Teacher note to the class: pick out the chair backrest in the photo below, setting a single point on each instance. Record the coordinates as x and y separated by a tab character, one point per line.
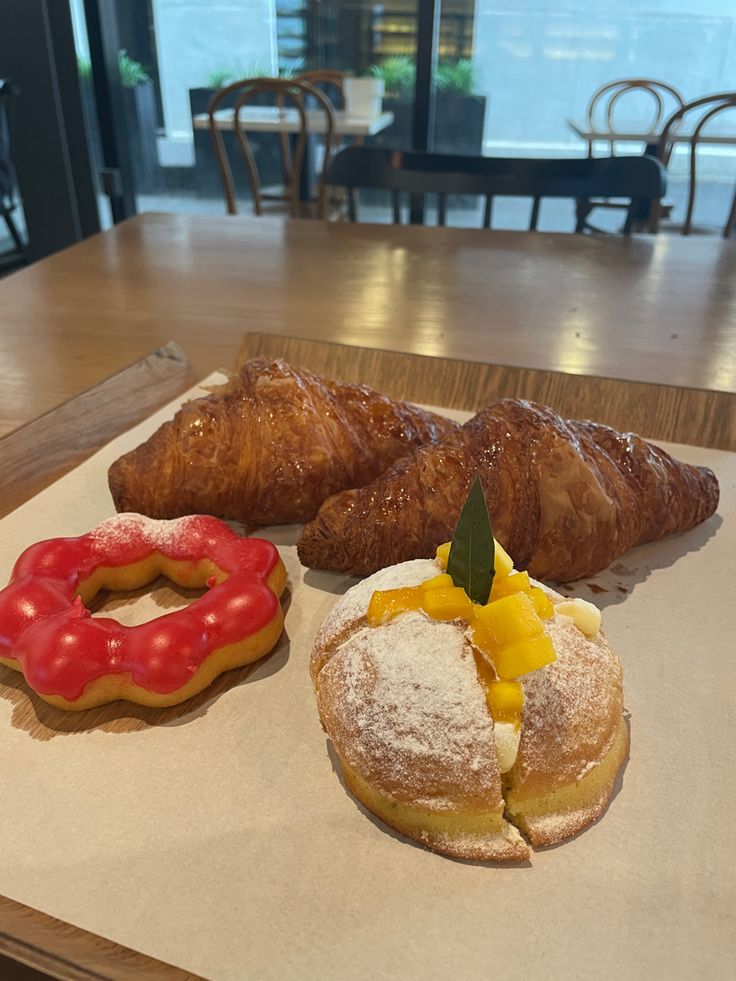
639	179
601	113
286	92
696	114
327	80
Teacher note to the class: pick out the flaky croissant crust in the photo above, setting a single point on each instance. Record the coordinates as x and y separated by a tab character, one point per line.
269	448
566	498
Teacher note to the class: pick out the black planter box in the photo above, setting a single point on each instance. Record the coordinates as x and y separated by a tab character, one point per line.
459	124
266	149
139	103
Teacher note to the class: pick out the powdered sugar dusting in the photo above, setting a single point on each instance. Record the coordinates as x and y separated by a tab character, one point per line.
128	529
572	709
412	713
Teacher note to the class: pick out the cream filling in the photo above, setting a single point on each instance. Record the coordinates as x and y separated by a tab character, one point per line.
507	736
585	616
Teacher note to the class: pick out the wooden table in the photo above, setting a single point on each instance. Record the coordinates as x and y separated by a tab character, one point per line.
654	310
650	309
650	139
268	119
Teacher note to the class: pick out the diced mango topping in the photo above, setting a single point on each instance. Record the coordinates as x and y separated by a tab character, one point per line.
518	583
502	561
505	700
442	554
435	581
523	656
386	604
447	603
542	603
504	621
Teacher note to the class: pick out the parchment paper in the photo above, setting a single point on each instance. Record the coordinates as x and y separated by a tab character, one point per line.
224	842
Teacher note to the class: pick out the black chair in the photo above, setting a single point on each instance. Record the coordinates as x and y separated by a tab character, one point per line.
639	179
8	203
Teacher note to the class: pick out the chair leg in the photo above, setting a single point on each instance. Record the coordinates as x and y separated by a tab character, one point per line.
534	216
14	233
630	216
731	220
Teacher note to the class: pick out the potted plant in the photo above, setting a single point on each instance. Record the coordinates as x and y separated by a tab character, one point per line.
139	106
140	110
89	109
363	96
459	113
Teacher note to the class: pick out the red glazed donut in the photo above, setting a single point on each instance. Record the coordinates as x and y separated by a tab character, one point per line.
76	661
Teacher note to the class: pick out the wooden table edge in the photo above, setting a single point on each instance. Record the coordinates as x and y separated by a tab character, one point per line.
44	943
40	451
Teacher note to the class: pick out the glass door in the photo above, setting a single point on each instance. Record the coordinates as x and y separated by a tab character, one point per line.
511	78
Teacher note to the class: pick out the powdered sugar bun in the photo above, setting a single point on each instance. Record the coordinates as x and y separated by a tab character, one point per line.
407	715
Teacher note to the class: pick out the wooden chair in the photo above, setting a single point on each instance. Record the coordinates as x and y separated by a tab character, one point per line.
602	107
331	82
326	79
639	179
702	110
286	92
601	117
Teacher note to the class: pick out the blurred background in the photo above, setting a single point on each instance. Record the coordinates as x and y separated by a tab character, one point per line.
118	83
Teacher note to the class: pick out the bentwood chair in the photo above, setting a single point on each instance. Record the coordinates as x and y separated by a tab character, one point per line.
602	115
638	179
697	114
331	83
290	96
618	103
327	80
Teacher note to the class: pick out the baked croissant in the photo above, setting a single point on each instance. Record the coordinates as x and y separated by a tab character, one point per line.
269	447
566	498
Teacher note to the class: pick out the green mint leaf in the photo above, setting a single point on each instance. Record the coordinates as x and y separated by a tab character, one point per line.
472	552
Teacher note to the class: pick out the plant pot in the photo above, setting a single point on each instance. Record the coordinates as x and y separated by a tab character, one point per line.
139	103
363	97
459	123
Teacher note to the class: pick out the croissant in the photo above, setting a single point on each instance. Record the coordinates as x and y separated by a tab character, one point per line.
269	447
566	498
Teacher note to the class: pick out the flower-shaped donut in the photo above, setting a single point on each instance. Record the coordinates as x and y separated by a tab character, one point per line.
75	661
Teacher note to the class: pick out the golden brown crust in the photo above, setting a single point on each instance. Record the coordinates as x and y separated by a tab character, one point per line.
269	448
566	498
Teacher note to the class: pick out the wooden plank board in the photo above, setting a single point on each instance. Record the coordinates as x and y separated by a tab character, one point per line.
665	412
38	453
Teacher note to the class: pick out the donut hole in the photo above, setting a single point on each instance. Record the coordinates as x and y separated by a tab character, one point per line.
135	606
138	593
